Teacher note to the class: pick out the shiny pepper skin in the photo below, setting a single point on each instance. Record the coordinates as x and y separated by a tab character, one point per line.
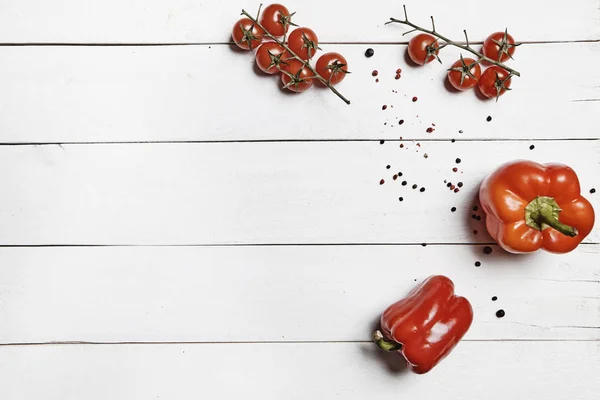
426	325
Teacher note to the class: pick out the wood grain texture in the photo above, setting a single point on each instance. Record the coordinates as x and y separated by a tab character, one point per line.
498	371
260	193
189	21
289	293
212	93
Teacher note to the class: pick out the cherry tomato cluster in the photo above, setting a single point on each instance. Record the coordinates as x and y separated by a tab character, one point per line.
288	55
466	73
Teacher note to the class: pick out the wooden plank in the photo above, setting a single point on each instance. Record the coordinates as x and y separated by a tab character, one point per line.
500	370
259	193
188	21
194	93
297	293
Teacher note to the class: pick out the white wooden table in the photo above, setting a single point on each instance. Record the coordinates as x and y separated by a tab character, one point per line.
173	226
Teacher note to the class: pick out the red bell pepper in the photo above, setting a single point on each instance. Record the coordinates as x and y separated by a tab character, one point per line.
530	206
426	325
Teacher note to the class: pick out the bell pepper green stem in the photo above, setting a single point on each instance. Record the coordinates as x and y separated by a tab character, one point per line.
383	344
543	212
546	218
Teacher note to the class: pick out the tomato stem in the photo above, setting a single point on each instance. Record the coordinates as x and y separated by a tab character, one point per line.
383	344
466	47
305	62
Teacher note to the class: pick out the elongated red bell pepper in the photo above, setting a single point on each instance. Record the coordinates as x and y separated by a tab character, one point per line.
531	206
426	325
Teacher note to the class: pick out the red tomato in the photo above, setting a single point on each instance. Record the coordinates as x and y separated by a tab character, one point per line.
464	73
270	57
333	67
276	19
423	49
499	46
246	34
494	82
296	77
303	42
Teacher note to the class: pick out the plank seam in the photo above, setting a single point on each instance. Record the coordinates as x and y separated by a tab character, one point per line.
261	245
425	140
171	44
308	342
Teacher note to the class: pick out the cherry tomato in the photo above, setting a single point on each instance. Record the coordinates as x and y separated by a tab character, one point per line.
333	67
296	77
499	46
270	57
276	19
303	42
423	49
494	82
246	34
464	74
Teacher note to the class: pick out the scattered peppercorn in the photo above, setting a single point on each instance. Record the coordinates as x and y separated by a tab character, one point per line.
384	107
458	160
452	187
388	166
494	298
460	131
401	145
377	80
369	53
397	76
381	182
453	140
477	264
453	209
429	130
401	198
500	313
475	232
415	99
422	189
454	169
400	122
399	173
456	190
425	155
475	208
531	147
592	190
404	183
487	249
474	216
479	218
449	184
375	72
414	186
381	141
395	176
399	71
489	118
423	244
460	184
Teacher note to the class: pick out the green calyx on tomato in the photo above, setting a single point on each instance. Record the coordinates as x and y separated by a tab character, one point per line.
467	71
500	46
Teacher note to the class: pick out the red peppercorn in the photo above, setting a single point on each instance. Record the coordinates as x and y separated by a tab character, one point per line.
384	107
381	182
454	169
399	71
415	99
375	72
429	130
397	76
